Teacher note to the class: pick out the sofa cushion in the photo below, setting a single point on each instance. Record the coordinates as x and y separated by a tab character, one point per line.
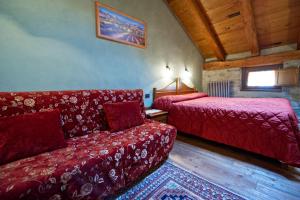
30	134
91	166
81	110
123	115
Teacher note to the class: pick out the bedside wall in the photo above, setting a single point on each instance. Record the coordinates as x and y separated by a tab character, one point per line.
52	45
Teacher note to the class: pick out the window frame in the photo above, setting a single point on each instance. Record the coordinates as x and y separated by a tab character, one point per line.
247	70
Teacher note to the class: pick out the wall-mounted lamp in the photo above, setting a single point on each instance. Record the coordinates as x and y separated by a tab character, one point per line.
186	69
168	68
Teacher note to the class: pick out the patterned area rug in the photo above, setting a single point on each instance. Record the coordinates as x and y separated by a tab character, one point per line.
171	182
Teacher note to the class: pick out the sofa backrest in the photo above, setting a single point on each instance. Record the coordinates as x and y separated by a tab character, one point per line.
81	110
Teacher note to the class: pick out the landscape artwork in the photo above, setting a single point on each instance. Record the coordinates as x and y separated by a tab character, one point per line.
116	26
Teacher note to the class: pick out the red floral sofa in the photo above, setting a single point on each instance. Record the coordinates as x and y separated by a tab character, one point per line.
96	163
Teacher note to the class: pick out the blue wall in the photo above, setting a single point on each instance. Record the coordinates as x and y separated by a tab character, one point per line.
51	45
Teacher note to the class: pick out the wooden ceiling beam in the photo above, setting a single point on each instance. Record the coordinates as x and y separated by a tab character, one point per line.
250	28
272	59
195	21
212	36
220	27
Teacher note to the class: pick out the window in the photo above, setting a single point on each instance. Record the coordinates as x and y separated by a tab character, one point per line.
260	79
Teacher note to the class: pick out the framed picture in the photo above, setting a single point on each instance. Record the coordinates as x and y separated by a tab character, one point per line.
117	26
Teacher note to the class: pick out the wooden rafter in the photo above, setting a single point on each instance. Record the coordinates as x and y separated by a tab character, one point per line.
220	27
211	34
272	59
250	28
195	21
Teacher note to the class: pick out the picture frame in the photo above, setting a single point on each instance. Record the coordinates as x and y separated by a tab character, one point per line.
117	26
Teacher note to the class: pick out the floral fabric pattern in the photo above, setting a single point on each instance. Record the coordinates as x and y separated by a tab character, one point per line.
81	110
96	163
90	167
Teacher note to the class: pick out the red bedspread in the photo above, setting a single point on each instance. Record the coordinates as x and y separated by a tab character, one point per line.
267	126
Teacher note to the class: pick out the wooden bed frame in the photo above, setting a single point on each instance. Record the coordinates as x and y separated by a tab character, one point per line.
176	87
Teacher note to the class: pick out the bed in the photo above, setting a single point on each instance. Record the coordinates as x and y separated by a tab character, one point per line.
267	126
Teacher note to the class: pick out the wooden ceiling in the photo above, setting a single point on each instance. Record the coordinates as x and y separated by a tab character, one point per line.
222	27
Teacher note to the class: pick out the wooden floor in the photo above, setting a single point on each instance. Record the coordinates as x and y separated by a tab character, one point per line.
244	173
